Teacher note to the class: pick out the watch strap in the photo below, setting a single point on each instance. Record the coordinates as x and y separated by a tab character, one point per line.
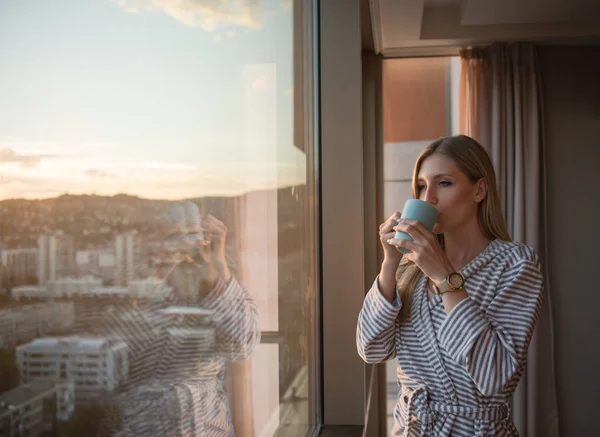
442	287
445	286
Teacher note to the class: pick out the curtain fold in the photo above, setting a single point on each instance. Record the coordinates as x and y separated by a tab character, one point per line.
501	106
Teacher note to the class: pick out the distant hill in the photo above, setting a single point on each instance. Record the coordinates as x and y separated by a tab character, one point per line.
94	220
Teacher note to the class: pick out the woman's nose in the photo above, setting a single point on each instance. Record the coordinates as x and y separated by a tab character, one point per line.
430	196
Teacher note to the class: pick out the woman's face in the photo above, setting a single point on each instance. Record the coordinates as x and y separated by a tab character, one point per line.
443	184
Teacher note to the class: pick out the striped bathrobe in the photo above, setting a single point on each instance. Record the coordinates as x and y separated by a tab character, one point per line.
192	401
457	372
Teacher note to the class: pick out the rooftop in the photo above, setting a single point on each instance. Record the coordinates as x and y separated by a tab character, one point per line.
55	344
187	311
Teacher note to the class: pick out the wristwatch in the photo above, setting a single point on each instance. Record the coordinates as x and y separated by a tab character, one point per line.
454	282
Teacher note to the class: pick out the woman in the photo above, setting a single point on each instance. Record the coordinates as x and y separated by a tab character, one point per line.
178	387
459	310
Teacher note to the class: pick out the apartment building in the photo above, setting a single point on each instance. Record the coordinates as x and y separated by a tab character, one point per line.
20	265
95	365
35	409
56	257
130	257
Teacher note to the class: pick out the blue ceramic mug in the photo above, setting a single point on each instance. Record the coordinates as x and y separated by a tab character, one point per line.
421	211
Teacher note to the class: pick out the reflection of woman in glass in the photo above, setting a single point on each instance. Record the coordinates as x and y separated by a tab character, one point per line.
459	310
181	347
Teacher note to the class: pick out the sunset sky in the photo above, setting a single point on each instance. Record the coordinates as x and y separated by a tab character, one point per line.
156	98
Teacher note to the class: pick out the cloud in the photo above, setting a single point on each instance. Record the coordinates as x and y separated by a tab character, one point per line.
9	156
95	173
204	14
169	166
214	179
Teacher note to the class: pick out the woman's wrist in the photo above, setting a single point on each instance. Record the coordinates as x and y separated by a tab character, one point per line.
390	265
442	273
222	269
387	279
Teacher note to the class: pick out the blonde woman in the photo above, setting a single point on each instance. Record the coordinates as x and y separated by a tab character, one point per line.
457	312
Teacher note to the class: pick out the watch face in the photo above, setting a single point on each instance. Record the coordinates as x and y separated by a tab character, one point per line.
456	281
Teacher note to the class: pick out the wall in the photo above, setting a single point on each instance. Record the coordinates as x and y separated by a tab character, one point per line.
572	120
342	210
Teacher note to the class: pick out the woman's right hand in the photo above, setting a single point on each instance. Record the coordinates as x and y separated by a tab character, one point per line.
386	232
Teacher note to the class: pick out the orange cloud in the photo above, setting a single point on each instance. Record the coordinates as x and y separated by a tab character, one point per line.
10	156
204	14
95	173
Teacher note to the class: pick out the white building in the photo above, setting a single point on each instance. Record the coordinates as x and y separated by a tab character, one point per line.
56	258
149	288
189	336
97	262
110	292
95	365
29	291
19	325
73	287
20	266
130	257
33	409
153	288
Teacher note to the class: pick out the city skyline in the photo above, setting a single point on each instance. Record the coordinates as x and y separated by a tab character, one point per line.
158	99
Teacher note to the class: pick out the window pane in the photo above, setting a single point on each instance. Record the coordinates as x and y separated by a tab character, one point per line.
157	217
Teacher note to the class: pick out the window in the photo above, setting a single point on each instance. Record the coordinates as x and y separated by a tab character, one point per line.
420	104
115	114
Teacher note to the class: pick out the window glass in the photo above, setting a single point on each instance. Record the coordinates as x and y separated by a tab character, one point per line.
156	216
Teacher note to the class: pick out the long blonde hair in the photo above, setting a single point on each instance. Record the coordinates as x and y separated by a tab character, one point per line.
473	161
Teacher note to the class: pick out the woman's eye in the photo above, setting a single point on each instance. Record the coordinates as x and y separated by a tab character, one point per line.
445	183
420	187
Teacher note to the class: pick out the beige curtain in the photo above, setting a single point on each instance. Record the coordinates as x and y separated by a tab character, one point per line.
501	106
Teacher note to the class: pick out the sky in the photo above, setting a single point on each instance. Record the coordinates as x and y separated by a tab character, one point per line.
161	99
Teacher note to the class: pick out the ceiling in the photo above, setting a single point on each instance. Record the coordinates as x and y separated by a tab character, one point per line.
437	27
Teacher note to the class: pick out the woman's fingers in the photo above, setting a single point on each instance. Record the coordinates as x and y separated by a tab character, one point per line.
430	236
389	224
416	230
406	244
214	228
215	223
387	236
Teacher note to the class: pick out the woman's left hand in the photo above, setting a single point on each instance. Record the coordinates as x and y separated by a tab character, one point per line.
215	233
426	251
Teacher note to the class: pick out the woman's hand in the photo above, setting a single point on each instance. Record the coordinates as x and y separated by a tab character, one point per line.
426	251
386	232
215	233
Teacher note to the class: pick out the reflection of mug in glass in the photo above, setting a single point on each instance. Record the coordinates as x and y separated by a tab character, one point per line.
193	222
421	211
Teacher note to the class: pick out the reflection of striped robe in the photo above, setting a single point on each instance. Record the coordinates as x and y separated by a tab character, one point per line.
457	372
173	392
